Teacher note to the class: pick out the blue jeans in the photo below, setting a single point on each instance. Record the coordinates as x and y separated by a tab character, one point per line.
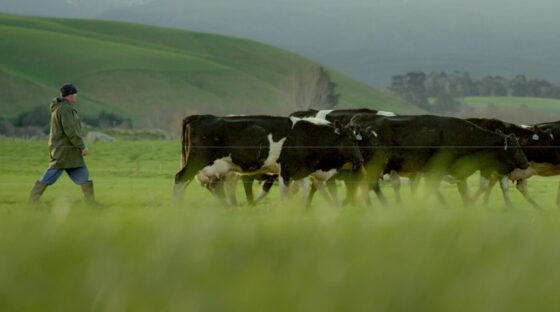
78	175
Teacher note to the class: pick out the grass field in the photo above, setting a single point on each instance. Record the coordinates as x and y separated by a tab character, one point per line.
138	253
135	70
535	104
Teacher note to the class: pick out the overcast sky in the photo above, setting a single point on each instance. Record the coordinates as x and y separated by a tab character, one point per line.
369	40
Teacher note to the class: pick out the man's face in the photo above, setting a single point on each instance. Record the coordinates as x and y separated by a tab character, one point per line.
72	98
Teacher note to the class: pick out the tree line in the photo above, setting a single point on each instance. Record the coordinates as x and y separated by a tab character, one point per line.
445	89
36	122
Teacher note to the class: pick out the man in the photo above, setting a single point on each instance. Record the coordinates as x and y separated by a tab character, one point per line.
66	147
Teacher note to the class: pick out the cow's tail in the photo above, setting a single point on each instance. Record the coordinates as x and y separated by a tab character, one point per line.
185	140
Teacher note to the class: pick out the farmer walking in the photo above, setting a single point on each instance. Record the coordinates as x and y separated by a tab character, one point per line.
66	147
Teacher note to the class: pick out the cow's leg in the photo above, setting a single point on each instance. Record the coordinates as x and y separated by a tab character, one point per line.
463	188
312	191
414	182
248	188
306	190
321	188
504	184
482	187
377	189
432	187
230	185
491	182
396	182
523	187
331	186
184	177
265	188
350	192
283	183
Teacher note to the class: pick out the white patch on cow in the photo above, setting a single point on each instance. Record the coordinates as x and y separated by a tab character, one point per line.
321	175
374	133
216	170
525	126
322	114
273	153
535	137
551	136
384	113
504	182
312	120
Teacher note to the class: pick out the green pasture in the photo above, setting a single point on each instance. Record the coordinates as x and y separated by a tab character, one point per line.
139	253
135	70
534	104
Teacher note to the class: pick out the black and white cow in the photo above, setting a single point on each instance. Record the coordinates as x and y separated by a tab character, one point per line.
319	149
435	147
343	116
536	143
250	145
216	146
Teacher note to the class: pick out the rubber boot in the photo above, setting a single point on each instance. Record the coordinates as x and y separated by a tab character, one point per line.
87	190
36	192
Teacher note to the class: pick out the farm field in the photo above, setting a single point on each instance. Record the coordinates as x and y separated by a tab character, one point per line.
137	70
139	253
535	104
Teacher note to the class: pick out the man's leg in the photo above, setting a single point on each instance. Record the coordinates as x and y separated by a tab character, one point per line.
49	177
80	176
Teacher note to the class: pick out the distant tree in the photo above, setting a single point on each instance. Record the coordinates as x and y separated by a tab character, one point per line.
446	102
39	116
6	128
313	89
112	120
415	89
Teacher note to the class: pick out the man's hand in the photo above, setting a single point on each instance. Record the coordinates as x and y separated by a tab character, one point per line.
85	152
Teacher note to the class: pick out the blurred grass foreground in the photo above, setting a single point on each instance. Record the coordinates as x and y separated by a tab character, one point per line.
138	253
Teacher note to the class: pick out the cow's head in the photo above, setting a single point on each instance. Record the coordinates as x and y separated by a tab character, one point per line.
512	156
349	139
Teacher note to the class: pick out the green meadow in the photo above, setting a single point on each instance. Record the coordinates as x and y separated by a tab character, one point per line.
139	253
534	104
138	70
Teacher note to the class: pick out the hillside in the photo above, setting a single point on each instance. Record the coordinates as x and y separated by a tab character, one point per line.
149	73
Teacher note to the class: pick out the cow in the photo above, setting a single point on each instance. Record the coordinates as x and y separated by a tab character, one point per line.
436	146
251	145
343	116
220	145
319	149
535	143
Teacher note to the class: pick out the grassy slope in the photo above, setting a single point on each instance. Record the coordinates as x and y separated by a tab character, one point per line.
140	254
135	69
536	104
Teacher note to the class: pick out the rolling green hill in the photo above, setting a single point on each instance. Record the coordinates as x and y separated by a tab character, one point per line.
140	71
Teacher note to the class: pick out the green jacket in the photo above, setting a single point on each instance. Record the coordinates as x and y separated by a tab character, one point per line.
65	140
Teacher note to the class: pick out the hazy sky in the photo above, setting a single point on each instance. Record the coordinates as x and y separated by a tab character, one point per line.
369	40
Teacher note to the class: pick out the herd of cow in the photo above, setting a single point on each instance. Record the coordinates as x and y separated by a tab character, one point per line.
309	149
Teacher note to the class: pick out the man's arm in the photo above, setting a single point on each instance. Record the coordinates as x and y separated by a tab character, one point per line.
70	128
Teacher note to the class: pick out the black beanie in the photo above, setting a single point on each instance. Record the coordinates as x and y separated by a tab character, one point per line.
68	89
